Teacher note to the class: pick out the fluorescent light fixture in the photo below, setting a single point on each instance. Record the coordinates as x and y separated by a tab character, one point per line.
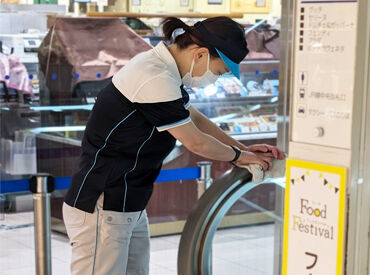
62	108
224	118
257	24
255	107
57	129
274	99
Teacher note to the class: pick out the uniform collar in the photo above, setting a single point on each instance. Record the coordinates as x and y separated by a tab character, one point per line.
163	52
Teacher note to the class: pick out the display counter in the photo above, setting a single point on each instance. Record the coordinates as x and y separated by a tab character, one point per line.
246	112
246	109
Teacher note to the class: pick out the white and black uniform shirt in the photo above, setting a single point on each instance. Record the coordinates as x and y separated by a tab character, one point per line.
125	141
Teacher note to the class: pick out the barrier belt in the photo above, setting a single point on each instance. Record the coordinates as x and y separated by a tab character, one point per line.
62	183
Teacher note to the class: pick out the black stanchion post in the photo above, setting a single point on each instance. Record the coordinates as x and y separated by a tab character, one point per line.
41	185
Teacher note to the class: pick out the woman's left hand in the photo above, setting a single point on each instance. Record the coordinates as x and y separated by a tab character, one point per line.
266	149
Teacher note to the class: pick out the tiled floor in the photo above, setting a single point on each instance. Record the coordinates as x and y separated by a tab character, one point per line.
247	250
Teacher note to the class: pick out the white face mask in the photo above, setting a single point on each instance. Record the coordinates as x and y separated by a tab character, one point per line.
198	81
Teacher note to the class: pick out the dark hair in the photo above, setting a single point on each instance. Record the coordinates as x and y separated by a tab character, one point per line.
221	26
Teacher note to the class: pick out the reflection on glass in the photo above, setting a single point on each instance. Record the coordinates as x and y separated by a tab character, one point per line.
62	107
58	129
246	238
240	106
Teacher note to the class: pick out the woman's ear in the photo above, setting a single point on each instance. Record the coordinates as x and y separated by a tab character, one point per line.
200	53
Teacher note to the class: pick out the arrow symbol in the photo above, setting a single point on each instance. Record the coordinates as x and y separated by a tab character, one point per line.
336	190
325	182
292	181
302	177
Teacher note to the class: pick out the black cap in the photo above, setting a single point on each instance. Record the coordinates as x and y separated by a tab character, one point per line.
235	51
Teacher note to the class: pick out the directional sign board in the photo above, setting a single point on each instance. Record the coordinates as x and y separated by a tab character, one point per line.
324	70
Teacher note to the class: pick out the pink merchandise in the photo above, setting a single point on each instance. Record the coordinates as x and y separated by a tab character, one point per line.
14	73
4	67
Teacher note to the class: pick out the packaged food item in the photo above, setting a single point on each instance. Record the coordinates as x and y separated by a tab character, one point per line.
237	129
272	126
225	127
269	118
263	127
255	129
221	111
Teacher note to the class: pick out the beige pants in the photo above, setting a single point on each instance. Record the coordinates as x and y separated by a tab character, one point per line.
107	242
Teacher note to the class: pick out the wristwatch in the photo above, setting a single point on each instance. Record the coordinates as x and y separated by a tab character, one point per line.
237	153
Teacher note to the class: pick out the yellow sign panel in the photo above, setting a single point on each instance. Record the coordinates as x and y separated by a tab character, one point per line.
250	6
313	218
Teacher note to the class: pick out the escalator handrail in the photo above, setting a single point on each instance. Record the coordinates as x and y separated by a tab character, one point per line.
202	223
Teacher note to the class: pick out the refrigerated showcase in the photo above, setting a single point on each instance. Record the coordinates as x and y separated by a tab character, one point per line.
248	117
242	107
246	109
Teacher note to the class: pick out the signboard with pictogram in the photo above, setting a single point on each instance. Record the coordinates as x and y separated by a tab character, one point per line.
313	219
324	69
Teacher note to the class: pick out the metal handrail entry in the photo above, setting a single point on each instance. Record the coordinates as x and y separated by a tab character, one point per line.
195	249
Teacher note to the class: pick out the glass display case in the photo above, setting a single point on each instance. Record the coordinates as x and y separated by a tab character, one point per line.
242	107
246	109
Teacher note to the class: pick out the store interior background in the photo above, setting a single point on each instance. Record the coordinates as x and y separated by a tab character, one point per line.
249	8
24	121
47	93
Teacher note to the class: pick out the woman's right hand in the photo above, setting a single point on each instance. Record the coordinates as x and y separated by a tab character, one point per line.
207	146
247	158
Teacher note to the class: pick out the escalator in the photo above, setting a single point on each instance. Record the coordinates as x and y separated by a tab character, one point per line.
235	228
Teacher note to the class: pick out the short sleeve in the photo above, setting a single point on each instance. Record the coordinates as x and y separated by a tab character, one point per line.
165	115
162	101
160	88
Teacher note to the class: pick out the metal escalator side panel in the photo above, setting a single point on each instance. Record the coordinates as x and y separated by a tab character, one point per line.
198	221
195	249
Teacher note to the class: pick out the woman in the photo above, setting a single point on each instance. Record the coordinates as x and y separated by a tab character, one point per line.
132	128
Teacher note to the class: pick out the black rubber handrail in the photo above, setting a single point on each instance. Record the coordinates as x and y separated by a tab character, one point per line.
194	256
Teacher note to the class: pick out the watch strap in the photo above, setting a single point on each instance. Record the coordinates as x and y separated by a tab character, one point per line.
237	153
